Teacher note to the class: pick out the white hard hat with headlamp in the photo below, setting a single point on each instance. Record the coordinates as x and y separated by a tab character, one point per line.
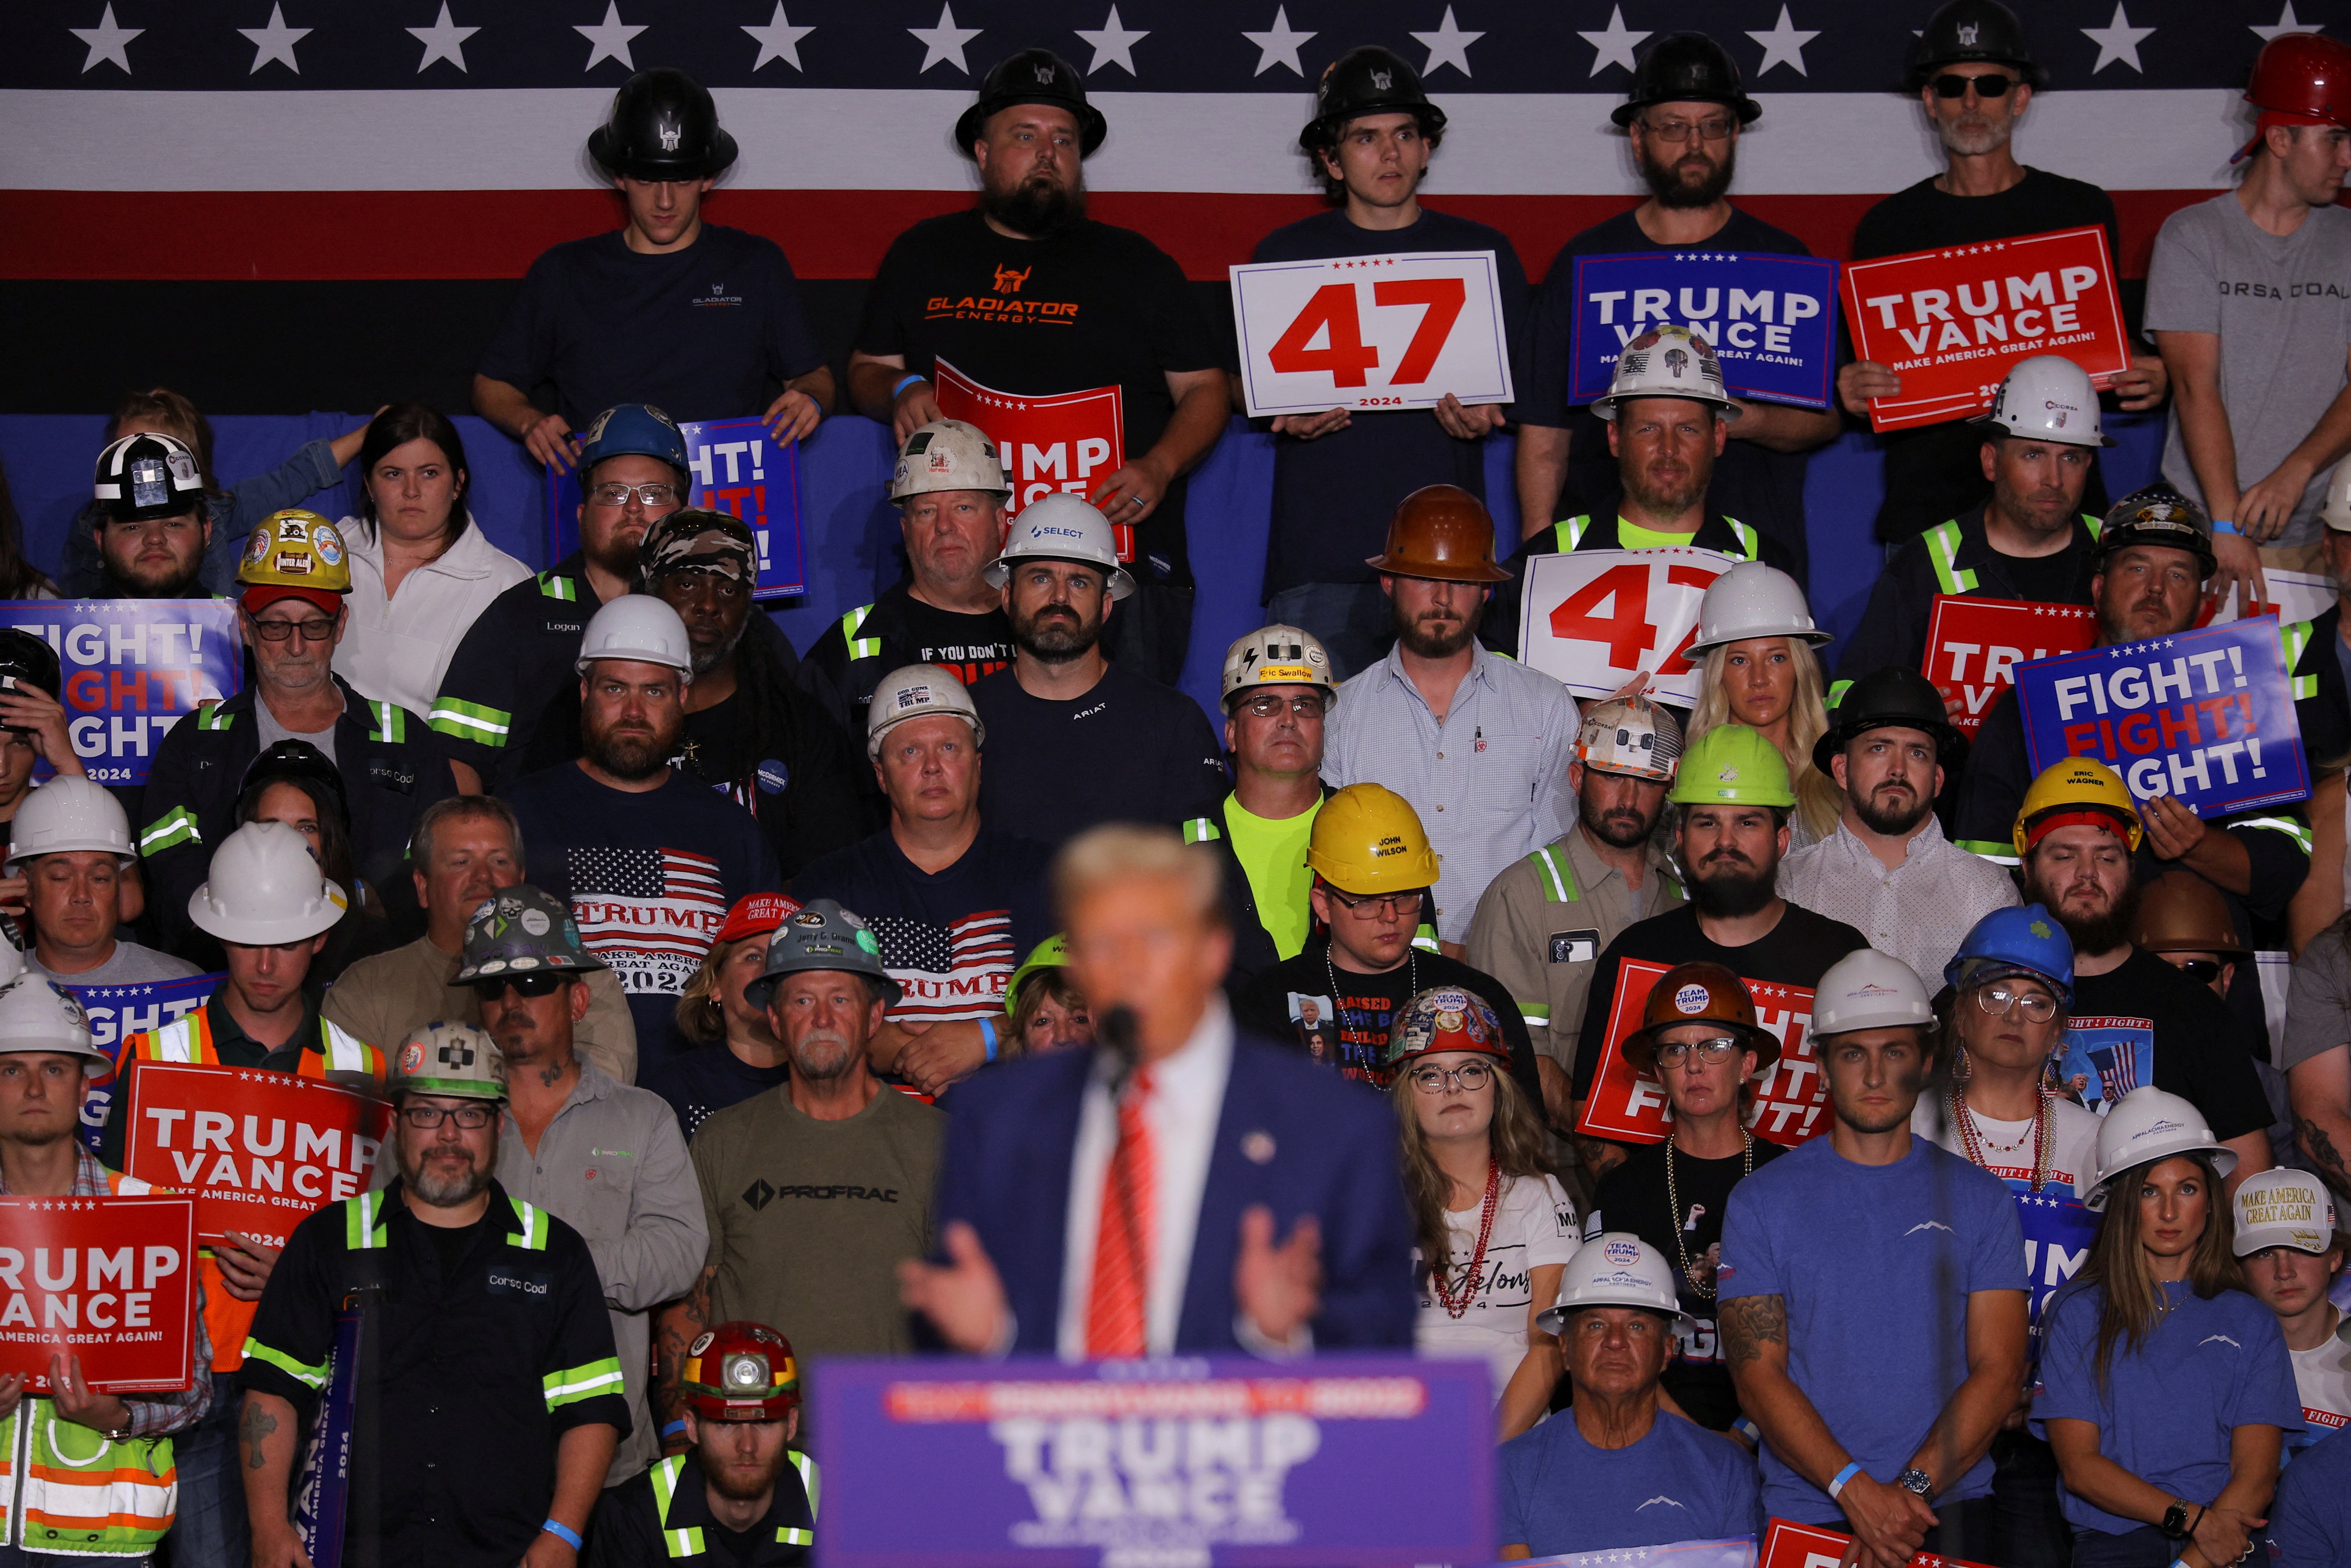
1277	656
1615	1269
1062	528
37	1017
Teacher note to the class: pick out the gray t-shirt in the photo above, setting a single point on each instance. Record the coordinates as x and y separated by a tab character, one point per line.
2282	307
271	732
131	964
2318	1000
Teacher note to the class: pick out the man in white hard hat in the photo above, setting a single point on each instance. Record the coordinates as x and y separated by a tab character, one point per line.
1664	1478
2289	1252
71	843
950	490
2028	539
1872	1420
1081	739
47	1061
952	899
1278	684
648	860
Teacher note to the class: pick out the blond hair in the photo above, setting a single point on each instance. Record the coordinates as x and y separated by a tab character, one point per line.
699	1017
1127	851
1819	803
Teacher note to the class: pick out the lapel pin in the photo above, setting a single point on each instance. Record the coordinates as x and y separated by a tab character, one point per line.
1258	1147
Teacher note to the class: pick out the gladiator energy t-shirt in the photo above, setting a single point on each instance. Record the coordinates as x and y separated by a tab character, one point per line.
1089	307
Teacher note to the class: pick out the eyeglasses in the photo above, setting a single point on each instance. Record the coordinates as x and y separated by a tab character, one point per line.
1998	1000
472	1118
490	988
1671	1052
1992	84
314	629
1266	705
650	494
2203	971
1674	133
1470	1078
1378	906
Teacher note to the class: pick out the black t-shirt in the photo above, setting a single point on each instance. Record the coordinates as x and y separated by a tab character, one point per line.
2045	579
1796	952
707	1078
1130	751
2144	1021
1350	1029
1091	307
1635	1197
908	631
700	333
1763	489
1932	471
451	1243
1332	495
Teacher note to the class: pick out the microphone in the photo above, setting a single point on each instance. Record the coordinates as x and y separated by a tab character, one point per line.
1114	1033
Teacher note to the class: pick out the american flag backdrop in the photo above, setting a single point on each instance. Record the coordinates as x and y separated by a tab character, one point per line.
648	913
949	972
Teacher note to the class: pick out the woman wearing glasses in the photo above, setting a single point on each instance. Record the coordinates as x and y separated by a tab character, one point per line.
422	569
1699	1037
1493	1229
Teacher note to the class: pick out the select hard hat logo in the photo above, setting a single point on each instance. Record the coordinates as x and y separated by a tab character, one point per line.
1052	531
1389	845
1692	999
1622	1252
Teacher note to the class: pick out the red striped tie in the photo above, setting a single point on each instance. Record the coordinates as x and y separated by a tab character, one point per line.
1117	1315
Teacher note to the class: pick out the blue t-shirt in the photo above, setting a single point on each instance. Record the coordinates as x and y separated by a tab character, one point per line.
1680	1482
1876	1264
650	877
2310	1523
2168	1410
707	1078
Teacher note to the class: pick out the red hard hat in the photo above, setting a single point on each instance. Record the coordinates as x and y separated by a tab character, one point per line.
2304	74
740	1372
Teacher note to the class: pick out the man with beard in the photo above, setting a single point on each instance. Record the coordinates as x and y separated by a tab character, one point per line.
1477	743
1730	836
605	1158
294	573
1543	921
648	860
1684	117
2135	1020
2029	540
153	522
1081	739
494	1400
817	1189
1973	73
741	1495
513	660
1025	294
1888	868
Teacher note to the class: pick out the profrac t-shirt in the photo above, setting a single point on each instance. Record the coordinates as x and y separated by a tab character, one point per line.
1677	1482
1332	495
2144	1022
699	333
1534	1227
1130	751
1091	307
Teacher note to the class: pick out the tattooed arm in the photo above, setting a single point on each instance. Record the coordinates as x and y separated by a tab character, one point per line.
2320	1089
676	1325
264	1443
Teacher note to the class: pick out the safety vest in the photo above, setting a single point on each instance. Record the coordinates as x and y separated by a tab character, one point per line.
1943	555
68	1490
851	627
1570	532
687	1542
188	1040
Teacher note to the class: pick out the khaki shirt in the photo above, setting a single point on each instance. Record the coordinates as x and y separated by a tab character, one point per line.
1543	923
382	997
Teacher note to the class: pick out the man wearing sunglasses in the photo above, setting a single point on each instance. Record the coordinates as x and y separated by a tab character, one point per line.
605	1158
293	576
1973	73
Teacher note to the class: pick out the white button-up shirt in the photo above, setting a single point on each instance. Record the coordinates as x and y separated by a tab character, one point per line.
1489	783
397	646
1918	912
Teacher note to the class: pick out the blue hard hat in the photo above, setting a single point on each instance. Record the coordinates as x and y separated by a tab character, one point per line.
632	430
2026	941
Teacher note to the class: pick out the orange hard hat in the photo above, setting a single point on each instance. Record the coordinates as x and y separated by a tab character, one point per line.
1700	992
1442	532
2179	911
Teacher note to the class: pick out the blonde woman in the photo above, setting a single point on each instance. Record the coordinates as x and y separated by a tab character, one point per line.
1493	1229
1756	642
735	1054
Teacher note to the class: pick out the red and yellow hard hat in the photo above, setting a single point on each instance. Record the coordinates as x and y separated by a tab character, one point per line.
740	1372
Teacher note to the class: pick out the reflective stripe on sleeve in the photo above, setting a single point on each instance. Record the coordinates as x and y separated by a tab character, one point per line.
574	1384
309	1376
471	721
176	826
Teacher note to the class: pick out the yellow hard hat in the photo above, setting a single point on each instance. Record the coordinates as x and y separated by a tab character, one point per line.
295	548
2078	789
1368	839
1731	764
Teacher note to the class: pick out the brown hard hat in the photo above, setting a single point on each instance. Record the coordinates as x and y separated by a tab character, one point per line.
2179	911
1443	532
1699	993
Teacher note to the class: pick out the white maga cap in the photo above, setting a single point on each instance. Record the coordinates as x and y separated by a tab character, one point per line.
948	454
1615	1269
1867	990
67	815
36	1016
264	888
640	628
1666	362
2047	398
1753	599
1277	656
2147	1125
1062	528
918	691
2284	1208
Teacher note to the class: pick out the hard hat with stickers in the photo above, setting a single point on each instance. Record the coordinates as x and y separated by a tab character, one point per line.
296	549
740	1372
457	1060
519	930
1446	1018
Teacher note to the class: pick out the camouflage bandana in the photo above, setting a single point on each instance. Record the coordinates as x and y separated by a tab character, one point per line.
698	540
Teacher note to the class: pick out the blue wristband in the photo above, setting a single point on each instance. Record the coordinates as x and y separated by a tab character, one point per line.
676	1429
563	1532
1844	1476
903	385
2222	525
987	1037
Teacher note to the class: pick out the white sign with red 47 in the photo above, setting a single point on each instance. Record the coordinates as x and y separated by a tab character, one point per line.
1372	332
1594	619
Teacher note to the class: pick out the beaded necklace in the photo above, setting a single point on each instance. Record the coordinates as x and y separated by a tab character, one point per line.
1475	1276
1704	1286
2042	1137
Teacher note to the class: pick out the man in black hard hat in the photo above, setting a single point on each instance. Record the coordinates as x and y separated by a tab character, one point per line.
153	527
1973	72
995	291
702	322
1683	115
1337	475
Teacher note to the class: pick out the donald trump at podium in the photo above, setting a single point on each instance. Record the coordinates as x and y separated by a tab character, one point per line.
1178	1189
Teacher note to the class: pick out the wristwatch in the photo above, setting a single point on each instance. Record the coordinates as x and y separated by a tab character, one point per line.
2175	1523
1916	1483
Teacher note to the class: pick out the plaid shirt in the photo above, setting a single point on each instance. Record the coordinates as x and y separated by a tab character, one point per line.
152	1414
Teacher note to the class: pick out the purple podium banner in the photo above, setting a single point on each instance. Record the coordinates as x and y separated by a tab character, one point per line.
1355	1461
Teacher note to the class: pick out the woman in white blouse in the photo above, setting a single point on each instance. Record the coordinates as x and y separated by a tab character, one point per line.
421	568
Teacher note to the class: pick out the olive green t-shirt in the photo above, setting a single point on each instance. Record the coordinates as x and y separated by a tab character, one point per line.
809	1219
1272	850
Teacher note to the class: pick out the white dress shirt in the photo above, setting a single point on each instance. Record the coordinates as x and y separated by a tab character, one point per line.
1919	912
397	646
1187	1101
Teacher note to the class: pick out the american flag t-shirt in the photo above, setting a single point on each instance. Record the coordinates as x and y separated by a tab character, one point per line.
949	972
650	914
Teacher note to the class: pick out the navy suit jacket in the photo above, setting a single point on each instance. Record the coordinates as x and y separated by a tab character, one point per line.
1292	1136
